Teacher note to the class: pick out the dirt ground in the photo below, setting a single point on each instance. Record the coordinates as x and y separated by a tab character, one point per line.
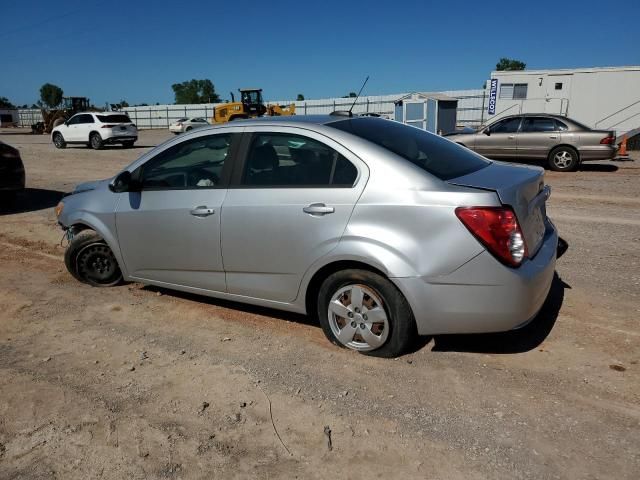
140	383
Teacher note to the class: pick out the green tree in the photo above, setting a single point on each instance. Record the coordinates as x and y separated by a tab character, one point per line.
123	104
300	97
510	64
51	95
351	95
195	91
5	103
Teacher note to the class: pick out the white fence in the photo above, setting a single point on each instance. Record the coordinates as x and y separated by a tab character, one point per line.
471	109
471	105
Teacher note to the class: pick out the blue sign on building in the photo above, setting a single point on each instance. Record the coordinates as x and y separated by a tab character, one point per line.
493	94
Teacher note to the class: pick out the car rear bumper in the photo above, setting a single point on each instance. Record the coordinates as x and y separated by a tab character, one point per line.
600	152
120	139
464	302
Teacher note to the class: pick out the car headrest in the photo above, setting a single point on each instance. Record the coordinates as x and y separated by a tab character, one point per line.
303	155
264	157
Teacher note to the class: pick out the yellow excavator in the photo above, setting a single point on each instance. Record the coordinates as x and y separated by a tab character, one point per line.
250	105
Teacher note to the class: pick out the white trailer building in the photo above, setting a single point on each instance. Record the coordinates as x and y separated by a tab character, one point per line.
605	98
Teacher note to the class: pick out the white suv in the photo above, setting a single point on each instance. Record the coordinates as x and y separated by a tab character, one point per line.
96	129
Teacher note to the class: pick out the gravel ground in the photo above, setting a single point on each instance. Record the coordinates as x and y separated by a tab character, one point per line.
138	382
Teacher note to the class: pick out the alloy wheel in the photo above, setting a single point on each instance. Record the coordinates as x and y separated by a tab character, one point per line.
563	159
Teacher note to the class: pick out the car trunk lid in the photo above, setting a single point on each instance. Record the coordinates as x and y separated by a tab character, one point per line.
522	188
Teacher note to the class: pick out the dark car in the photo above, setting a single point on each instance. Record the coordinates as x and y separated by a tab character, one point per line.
11	171
560	141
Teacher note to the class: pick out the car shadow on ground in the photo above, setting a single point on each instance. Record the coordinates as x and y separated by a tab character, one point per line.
516	341
30	200
239	307
118	147
598	167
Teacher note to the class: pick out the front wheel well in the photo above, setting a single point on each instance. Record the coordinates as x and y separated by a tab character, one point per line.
565	145
311	296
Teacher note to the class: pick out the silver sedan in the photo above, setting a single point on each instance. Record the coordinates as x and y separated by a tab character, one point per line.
382	230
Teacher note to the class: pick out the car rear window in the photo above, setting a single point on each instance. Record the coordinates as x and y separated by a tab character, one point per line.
114	118
432	153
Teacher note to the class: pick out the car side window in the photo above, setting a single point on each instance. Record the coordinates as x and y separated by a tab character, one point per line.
508	125
538	124
74	120
284	160
85	118
561	126
192	164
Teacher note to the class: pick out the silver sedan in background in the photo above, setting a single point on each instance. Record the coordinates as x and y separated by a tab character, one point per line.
560	141
382	230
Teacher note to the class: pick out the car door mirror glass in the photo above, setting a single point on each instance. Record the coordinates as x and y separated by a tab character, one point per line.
487	131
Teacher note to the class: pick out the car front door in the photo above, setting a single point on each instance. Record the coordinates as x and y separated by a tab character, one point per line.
286	208
169	231
500	139
537	137
86	123
70	131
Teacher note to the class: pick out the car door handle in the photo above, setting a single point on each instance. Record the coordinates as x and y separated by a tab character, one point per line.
511	137
202	211
318	209
553	136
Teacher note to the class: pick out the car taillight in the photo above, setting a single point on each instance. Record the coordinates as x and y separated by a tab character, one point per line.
107	126
178	124
607	141
498	230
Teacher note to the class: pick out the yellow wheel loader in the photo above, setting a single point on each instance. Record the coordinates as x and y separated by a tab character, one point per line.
250	105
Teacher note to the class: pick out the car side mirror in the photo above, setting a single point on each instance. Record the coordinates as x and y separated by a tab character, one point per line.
124	183
487	132
66	124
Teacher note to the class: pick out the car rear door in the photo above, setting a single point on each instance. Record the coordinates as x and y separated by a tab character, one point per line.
537	137
286	207
169	231
499	140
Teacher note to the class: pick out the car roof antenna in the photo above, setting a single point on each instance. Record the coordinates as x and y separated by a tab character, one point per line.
358	96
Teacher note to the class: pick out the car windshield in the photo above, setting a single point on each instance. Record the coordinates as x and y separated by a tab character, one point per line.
182	119
434	154
114	118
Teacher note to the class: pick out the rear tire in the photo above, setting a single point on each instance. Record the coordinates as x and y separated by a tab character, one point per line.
188	129
563	159
95	141
90	260
368	314
58	140
128	144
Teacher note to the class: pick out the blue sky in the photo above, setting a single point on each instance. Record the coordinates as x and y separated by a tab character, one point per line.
135	50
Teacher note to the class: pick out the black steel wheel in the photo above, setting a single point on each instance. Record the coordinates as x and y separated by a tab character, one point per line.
90	260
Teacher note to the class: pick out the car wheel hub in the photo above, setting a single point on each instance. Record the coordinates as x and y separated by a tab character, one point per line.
562	159
357	318
96	262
